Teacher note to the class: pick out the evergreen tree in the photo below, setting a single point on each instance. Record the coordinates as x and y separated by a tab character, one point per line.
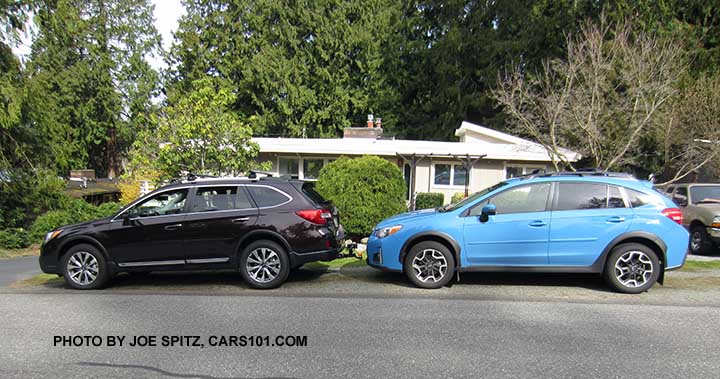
90	86
300	67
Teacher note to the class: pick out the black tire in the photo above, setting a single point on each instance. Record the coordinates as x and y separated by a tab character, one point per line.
433	264
78	274
634	259
699	240
262	248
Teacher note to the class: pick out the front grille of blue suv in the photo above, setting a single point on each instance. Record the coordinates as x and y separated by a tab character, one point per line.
603	223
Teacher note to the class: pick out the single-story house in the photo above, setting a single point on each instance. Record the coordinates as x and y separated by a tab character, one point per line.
82	184
428	166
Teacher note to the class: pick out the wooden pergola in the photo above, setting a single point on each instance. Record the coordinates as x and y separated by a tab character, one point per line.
467	160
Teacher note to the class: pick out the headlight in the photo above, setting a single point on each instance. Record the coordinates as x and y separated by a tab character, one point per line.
385	232
52	235
716	222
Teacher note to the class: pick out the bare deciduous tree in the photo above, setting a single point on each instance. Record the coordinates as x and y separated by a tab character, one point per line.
608	92
690	138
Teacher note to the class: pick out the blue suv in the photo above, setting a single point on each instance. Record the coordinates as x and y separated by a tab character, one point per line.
605	223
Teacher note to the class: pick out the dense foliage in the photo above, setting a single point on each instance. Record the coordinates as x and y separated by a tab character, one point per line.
429	200
14	238
25	195
89	85
76	211
199	135
365	190
299	67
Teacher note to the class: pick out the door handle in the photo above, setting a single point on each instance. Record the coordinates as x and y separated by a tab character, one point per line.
616	219
173	227
537	223
240	219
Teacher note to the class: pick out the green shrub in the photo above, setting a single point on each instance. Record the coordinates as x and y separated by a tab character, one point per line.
365	190
14	238
77	211
427	200
457	197
107	209
49	221
26	194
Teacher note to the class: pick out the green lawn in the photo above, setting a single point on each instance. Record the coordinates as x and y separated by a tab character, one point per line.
38	280
701	265
33	250
342	262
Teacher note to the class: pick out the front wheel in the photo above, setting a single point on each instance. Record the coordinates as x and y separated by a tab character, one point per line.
264	264
84	267
699	240
429	265
632	268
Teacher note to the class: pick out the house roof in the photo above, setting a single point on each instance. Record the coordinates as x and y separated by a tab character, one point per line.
507	147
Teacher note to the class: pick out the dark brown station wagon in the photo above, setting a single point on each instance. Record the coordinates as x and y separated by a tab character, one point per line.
263	227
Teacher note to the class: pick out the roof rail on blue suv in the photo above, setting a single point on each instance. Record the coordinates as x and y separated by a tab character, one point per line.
584	222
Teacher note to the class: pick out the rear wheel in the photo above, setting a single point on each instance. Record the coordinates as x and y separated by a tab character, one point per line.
699	240
84	267
264	264
429	265
632	268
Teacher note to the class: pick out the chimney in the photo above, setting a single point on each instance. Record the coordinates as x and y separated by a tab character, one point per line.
88	174
373	130
363	132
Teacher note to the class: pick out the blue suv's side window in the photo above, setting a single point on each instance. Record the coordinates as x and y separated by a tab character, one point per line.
586	217
520	199
517	234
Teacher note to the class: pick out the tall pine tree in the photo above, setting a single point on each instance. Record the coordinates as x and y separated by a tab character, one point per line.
299	67
90	86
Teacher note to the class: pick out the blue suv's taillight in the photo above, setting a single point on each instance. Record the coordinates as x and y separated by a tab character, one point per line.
673	214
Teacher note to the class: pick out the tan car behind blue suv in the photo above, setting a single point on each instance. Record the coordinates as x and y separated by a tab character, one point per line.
700	204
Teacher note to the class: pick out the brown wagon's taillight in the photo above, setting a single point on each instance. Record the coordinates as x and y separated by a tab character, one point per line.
316	216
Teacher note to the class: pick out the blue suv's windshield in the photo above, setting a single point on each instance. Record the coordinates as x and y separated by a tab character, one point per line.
471	198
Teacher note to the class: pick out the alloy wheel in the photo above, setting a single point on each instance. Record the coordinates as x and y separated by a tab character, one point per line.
430	265
82	268
633	269
263	265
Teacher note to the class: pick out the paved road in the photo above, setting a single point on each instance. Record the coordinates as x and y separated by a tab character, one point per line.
15	269
357	337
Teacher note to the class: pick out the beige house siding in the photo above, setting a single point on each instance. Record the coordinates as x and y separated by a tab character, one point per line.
496	155
484	173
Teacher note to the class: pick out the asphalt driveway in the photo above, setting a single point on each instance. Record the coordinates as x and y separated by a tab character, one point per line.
12	270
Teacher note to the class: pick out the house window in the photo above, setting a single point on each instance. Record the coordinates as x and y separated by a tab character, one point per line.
288	166
515	171
460	175
447	174
311	168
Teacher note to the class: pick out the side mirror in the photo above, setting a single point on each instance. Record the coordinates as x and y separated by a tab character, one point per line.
487	211
680	200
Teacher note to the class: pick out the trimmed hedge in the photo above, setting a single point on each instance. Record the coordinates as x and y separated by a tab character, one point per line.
427	200
14	238
365	190
77	211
